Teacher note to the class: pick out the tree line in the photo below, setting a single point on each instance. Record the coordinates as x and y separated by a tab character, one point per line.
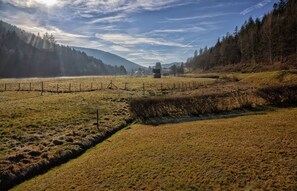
270	40
24	54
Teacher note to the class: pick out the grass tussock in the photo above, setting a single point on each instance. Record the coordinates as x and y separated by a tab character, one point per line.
181	106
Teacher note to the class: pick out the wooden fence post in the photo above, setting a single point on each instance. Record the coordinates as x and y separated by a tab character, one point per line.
97	120
125	85
42	88
30	86
143	90
19	87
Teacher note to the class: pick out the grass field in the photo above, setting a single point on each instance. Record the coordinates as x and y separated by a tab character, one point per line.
41	130
45	130
256	152
36	130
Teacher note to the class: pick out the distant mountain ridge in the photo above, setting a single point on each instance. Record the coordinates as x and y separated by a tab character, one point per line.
171	64
109	58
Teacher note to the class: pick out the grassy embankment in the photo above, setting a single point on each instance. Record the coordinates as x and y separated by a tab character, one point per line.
242	153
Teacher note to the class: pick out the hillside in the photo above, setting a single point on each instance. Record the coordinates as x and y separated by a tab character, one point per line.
109	58
267	43
24	54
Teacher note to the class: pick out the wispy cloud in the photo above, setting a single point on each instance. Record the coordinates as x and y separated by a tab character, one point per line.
33	3
189	49
120	48
61	36
254	7
179	30
103	6
125	39
199	17
108	19
151	56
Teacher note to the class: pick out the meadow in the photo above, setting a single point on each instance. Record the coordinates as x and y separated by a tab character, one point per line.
255	152
40	130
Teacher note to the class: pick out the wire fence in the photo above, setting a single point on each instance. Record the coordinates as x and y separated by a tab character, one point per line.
144	88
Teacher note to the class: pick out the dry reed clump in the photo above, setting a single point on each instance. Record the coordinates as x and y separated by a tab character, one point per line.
183	106
195	105
280	94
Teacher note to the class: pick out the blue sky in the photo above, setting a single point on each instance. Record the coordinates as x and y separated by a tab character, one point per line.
143	31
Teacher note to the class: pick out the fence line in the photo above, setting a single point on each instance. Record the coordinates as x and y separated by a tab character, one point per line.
145	89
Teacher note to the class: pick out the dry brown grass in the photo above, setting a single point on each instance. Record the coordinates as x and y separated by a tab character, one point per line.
245	153
233	91
190	106
279	94
76	84
36	130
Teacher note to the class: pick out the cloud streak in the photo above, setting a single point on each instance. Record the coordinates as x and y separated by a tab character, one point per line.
125	39
109	19
254	7
199	17
103	6
179	30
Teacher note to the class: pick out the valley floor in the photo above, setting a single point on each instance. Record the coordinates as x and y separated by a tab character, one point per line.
241	153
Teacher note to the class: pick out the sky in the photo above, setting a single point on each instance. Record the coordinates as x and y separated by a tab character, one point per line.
143	31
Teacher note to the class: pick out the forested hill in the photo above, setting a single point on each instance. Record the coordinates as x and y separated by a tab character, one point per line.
268	43
109	58
24	54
